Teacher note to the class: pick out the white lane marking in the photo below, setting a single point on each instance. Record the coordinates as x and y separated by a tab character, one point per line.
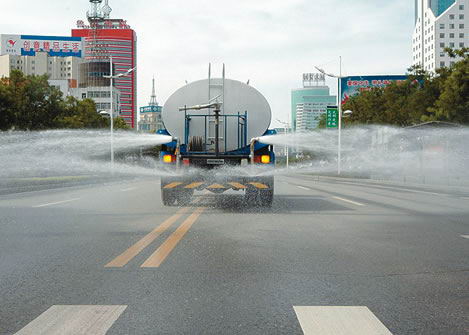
394	188
128	189
349	201
304	188
339	320
465	236
56	203
73	320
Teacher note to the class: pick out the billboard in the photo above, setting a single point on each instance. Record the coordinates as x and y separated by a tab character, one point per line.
28	45
356	84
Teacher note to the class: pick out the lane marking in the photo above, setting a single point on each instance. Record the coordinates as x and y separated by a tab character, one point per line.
134	250
465	236
349	201
128	189
216	186
304	188
73	319
339	320
158	257
194	185
56	203
237	185
259	185
173	185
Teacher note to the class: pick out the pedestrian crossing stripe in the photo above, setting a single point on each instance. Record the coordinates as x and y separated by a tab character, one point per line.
214	186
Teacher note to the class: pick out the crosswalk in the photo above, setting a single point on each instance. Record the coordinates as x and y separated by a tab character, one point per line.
74	320
97	320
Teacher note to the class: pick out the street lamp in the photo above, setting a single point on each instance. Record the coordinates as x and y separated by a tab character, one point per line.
287	126
111	113
339	99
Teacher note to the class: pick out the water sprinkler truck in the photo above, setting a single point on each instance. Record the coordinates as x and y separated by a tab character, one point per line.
215	124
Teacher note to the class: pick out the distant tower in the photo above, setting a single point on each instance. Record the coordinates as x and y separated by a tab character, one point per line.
153	101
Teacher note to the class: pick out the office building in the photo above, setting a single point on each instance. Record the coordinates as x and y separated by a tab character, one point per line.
439	24
105	37
309	104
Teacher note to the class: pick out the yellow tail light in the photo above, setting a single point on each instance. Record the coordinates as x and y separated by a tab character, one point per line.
168	158
265	159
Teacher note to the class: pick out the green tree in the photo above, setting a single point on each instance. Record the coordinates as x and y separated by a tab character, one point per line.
453	103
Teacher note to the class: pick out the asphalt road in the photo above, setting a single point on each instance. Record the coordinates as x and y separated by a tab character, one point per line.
109	257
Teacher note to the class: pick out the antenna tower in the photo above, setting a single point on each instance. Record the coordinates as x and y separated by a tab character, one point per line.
153	101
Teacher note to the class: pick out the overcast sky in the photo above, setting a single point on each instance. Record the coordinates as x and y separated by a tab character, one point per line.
270	42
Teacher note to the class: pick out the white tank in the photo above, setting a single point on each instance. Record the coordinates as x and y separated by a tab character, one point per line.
237	97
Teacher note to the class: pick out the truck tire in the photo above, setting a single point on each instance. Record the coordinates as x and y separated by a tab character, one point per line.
266	198
168	197
184	197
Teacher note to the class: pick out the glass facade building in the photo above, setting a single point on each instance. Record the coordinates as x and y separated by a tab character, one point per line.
308	105
439	6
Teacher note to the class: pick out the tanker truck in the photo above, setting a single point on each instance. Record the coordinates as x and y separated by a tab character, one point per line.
214	124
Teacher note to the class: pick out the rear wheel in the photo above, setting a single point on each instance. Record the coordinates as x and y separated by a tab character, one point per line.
266	198
168	197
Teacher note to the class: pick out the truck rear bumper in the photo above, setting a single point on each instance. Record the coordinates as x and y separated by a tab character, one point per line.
217	184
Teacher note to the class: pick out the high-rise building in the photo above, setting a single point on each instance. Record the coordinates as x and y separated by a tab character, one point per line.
309	104
150	116
105	37
439	24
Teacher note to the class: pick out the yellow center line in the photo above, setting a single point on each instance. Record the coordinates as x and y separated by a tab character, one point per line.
158	257
134	250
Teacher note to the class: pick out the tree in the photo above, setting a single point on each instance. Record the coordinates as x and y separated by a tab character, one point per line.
453	103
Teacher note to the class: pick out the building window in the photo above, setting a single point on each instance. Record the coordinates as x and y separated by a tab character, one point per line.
33	62
442	54
442	45
33	68
461	45
442	35
461	26
461	16
442	26
451	45
451	17
442	64
451	35
451	26
461	7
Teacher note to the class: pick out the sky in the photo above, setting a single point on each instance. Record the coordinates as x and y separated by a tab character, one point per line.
269	42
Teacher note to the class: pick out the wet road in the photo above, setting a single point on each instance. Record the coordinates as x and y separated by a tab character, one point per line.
330	257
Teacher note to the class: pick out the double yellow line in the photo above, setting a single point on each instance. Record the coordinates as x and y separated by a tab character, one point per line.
158	257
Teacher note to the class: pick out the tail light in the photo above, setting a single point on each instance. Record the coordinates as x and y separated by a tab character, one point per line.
169	158
265	159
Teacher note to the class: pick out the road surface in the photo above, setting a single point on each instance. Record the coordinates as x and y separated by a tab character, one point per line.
330	257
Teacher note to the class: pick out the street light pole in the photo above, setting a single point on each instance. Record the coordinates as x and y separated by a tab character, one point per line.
111	78
339	100
339	150
286	125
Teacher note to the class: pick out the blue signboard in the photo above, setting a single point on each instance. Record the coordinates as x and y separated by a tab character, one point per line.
28	45
356	84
